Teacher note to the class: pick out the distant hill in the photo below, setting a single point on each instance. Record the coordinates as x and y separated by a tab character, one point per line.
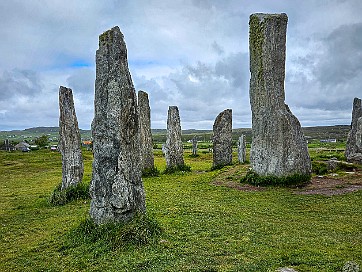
338	132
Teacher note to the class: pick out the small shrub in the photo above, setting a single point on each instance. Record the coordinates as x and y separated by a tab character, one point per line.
253	178
177	168
141	230
150	172
194	155
319	168
61	197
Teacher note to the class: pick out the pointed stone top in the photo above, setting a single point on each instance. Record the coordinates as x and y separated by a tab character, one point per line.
142	93
111	36
356	101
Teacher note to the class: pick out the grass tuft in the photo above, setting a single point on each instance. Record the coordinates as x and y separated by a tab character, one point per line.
150	172
254	178
141	230
177	168
61	197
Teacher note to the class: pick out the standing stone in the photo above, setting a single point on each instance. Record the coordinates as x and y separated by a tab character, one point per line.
173	148
242	149
147	159
354	141
69	140
278	144
194	145
222	139
116	187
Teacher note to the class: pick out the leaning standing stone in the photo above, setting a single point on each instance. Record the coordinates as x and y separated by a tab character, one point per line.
242	149
354	141
147	159
173	147
69	140
222	139
278	144
116	187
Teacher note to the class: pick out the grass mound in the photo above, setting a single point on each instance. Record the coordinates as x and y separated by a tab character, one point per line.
141	230
253	178
61	197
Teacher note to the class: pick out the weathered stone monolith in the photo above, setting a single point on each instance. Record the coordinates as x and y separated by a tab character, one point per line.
173	146
116	187
194	145
69	140
278	144
222	139
147	159
242	149
354	140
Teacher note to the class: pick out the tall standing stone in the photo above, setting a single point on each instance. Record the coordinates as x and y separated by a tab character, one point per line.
173	148
69	140
194	145
278	144
147	159
222	139
116	187
242	149
354	140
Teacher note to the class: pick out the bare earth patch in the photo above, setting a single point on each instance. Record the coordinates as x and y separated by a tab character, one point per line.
327	185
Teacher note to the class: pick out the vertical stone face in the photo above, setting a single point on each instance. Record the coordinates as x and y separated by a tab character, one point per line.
69	140
173	148
194	146
116	187
242	149
222	139
278	145
147	159
354	141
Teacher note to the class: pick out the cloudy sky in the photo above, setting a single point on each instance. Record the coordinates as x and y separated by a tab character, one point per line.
189	53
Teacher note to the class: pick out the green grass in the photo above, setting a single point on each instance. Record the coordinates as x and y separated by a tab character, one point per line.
205	227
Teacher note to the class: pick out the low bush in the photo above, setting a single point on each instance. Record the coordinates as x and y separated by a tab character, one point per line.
254	178
61	197
319	168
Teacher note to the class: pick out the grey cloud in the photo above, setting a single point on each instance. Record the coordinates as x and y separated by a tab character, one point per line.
19	83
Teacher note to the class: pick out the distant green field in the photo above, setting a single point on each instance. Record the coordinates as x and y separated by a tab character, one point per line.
205	227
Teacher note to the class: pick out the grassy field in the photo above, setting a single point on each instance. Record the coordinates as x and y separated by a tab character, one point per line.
205	227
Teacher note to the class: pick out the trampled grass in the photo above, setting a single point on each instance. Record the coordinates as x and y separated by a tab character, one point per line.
205	227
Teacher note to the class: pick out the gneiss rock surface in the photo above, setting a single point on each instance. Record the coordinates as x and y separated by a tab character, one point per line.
116	187
242	149
69	140
147	159
173	146
354	140
222	139
278	144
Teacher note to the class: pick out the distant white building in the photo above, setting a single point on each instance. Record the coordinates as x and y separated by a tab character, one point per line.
328	140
